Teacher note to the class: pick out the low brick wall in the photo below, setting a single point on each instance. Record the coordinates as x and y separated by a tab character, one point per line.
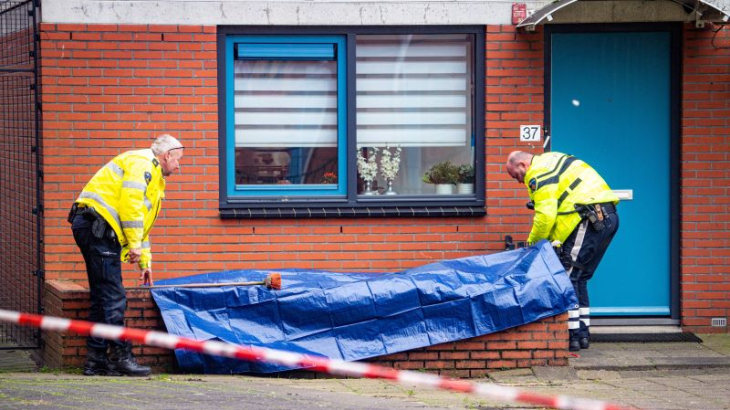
542	343
70	300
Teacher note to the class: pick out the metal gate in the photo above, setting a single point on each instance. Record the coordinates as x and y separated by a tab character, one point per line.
21	271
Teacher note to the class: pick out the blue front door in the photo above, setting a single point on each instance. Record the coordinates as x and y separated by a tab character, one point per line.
609	105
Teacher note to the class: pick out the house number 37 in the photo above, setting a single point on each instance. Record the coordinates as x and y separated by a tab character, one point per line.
529	133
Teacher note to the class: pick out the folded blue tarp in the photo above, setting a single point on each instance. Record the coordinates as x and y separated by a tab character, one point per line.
353	316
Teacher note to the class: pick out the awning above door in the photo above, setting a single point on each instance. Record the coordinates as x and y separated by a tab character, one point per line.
606	12
544	13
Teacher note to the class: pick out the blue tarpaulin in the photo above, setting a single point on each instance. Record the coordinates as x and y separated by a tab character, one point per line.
353	316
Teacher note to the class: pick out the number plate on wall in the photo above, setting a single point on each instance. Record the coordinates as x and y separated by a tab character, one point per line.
529	133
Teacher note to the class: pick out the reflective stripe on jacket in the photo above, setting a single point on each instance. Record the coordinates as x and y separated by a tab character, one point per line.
556	182
128	193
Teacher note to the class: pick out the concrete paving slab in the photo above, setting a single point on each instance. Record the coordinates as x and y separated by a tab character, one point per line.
506	376
598	375
634	329
16	361
653	356
703	362
555	373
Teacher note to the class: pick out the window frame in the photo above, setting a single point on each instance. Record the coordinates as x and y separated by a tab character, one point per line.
293	190
351	204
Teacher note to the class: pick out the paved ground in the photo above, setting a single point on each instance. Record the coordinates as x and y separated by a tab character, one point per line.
650	376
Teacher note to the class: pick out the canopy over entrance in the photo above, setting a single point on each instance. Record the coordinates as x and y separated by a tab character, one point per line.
621	11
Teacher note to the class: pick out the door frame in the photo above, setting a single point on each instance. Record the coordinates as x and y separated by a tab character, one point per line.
675	57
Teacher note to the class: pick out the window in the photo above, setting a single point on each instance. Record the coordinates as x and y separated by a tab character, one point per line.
358	121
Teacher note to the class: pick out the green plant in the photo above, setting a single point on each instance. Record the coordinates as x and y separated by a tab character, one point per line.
466	174
49	370
442	173
162	377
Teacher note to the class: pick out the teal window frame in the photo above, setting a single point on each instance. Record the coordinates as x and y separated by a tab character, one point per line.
311	47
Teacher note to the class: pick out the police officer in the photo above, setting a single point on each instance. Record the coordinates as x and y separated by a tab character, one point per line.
575	210
111	221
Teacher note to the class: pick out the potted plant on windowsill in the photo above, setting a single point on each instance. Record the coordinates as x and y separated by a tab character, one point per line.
444	175
465	183
329	178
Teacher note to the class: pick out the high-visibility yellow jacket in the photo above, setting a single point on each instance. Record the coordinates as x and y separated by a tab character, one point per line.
556	182
128	193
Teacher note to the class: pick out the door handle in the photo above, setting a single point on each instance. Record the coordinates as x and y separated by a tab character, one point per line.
624	194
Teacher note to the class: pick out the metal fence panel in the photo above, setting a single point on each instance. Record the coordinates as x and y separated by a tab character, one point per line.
21	272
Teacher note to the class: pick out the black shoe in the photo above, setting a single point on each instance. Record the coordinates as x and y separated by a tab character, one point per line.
97	364
584	343
574	346
126	364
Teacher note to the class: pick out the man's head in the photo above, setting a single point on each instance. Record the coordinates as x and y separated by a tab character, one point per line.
168	151
517	164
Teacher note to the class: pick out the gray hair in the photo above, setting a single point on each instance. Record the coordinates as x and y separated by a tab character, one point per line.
165	143
517	156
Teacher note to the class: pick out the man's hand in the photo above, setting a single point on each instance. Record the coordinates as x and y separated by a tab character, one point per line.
134	255
146	277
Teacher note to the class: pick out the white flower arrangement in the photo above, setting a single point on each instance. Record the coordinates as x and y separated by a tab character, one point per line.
367	168
390	162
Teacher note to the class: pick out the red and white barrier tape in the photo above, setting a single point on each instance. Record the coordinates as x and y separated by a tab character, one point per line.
319	364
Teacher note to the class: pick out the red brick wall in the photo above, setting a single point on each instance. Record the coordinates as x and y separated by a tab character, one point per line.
514	96
71	301
107	89
705	179
544	342
110	88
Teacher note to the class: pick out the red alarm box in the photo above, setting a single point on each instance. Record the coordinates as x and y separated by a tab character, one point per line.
519	13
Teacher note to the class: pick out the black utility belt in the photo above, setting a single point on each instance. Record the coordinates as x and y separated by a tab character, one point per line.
99	225
608	208
596	213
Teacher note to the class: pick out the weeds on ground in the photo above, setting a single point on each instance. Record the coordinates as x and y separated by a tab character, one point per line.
163	377
57	371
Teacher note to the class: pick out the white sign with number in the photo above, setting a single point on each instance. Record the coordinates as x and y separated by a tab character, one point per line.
529	133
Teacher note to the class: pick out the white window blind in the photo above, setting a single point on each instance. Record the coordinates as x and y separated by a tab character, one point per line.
413	90
285	103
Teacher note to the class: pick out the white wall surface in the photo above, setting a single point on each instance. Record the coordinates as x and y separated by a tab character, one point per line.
295	13
351	12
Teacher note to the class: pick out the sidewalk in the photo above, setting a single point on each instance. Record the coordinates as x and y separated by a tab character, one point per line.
650	376
713	352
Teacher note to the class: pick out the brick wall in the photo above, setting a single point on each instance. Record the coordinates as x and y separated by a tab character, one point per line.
535	344
71	301
109	88
705	179
542	343
514	96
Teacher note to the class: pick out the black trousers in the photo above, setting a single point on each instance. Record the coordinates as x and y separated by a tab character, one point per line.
581	253
104	271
